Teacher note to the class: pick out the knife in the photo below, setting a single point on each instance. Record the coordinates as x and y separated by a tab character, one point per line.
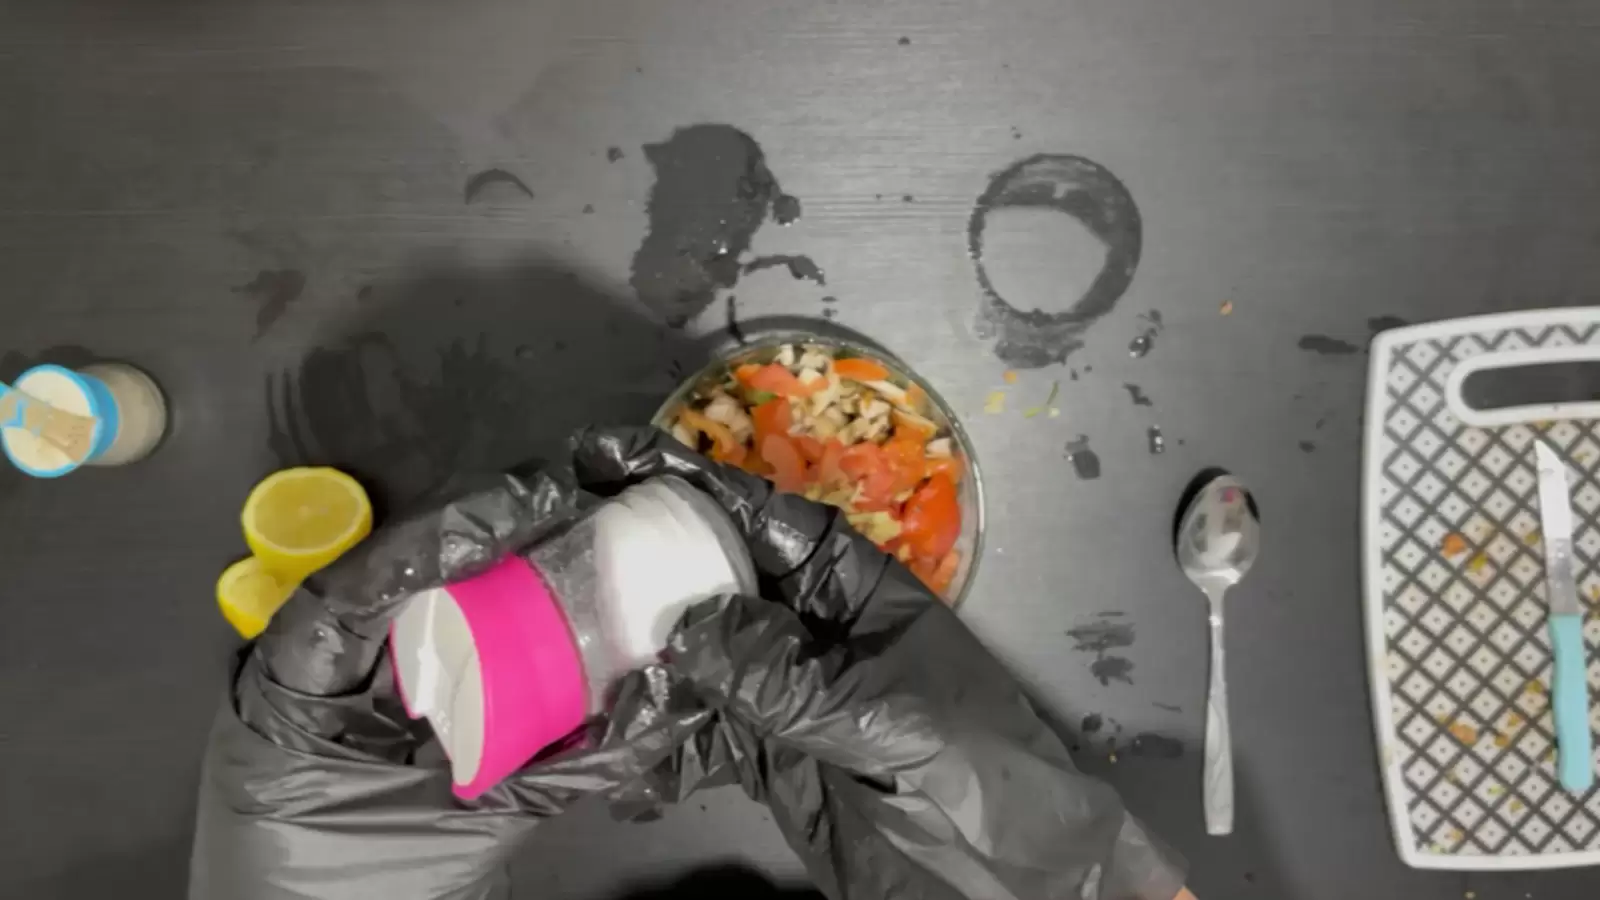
1570	687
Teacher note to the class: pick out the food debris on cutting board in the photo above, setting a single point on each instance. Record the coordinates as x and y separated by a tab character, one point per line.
844	431
1226	308
1453	545
1462	732
995	404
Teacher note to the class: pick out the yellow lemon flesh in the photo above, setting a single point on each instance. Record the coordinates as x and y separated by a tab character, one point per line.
249	596
300	520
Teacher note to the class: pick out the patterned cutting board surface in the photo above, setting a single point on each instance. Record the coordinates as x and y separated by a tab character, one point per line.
1457	643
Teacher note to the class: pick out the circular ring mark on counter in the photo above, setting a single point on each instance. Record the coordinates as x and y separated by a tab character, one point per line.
1089	193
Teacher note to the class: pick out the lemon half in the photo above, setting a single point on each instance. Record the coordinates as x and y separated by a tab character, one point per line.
249	596
299	520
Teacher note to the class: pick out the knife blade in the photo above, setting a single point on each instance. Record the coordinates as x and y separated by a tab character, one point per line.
1570	684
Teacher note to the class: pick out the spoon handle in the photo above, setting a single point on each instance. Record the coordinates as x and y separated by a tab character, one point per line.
1219	742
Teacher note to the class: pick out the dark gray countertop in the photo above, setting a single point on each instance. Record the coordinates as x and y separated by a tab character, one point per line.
264	205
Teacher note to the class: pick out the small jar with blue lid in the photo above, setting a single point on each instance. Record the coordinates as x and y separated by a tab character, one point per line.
129	413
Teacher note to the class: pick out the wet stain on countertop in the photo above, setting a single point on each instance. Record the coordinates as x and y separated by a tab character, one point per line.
1145	340
489	181
1384	323
712	192
1323	345
1155	441
1102	638
273	291
801	268
1156	746
72	356
1085	462
1085	191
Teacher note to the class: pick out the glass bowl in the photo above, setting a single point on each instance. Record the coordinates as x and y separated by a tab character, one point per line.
765	348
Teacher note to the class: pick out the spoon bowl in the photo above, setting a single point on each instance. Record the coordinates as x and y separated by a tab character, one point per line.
1219	534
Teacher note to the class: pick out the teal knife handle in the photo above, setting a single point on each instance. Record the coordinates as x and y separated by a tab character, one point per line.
1570	703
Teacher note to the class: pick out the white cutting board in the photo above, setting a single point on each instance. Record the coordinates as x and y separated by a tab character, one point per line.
1458	652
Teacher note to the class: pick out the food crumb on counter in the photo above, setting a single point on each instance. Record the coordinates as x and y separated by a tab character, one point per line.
1226	309
1010	376
1453	545
995	404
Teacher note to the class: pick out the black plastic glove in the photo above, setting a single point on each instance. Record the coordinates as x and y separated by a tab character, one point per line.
312	785
898	756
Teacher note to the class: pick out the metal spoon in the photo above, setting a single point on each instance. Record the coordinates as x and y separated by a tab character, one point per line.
1217	539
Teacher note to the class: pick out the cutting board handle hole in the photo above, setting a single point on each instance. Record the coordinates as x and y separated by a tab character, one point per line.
1522	386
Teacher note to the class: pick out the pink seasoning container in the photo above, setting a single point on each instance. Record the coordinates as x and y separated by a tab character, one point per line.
507	663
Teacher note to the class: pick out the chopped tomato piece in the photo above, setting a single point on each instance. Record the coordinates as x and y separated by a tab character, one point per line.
809	447
906	462
725	448
774	379
945	572
948	465
933	518
771	417
860	370
788	466
829	471
937	576
865	465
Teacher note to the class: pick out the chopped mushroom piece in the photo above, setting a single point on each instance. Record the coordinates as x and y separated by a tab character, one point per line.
813	358
786	356
730	412
896	395
827	396
939	448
